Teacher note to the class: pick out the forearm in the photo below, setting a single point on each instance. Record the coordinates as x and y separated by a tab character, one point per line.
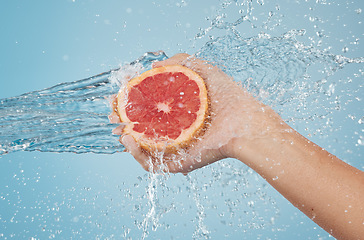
323	187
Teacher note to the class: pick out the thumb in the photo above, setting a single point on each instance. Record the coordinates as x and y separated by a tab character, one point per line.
135	150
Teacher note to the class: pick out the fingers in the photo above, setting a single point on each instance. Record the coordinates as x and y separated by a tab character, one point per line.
113	117
193	161
134	149
177	163
182	59
176	59
118	130
204	68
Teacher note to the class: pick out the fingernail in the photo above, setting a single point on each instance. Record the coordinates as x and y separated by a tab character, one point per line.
122	140
126	140
118	130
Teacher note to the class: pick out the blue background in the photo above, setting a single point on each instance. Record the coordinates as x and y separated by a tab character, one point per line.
89	196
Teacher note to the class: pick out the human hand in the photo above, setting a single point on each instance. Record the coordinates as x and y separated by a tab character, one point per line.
234	113
244	128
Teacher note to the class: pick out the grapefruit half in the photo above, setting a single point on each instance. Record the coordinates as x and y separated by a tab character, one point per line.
164	109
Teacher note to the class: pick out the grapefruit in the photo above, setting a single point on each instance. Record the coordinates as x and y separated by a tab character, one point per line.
164	109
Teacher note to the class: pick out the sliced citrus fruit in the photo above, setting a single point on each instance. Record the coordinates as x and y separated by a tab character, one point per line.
165	108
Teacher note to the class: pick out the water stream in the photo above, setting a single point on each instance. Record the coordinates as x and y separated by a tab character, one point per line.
297	79
72	117
69	117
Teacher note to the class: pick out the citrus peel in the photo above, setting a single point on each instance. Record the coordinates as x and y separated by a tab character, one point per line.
164	109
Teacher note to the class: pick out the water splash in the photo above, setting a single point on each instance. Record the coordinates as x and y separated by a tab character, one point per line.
156	210
72	117
201	230
69	117
152	214
276	69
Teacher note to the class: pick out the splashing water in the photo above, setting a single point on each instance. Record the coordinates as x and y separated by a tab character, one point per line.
69	117
275	69
201	230
72	117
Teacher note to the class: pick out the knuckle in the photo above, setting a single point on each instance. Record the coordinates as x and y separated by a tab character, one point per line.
181	56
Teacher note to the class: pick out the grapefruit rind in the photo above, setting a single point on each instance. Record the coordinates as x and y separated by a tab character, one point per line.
188	135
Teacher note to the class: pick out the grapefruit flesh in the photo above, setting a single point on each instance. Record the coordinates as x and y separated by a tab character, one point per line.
164	108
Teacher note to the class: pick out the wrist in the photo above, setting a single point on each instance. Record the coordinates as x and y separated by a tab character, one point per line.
267	136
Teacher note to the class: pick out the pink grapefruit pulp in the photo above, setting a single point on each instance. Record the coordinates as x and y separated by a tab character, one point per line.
165	108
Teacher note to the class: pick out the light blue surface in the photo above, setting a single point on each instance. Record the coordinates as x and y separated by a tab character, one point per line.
88	196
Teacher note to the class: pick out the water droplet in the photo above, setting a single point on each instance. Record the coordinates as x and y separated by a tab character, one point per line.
352	117
261	2
361	120
75	219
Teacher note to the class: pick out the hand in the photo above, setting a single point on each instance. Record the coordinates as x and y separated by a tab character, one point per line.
234	113
326	189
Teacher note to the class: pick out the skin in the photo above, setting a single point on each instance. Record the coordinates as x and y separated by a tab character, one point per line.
326	189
